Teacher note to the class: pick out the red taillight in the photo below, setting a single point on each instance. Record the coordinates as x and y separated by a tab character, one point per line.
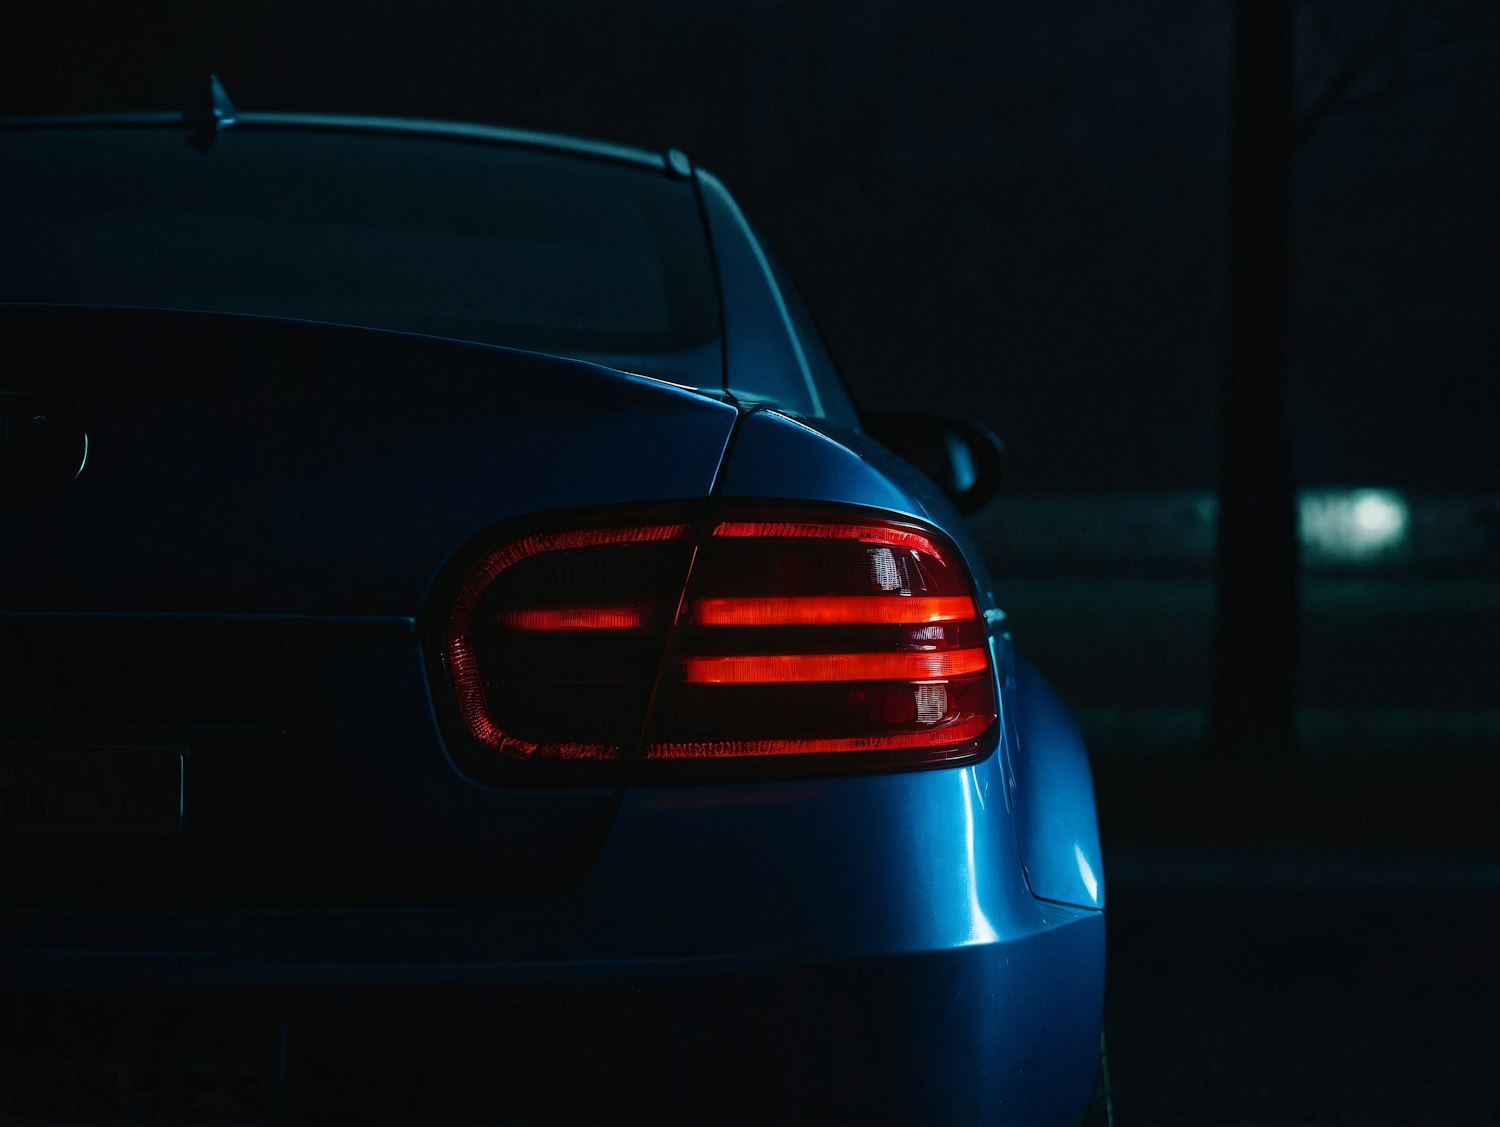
825	644
784	669
830	610
743	750
578	701
854	644
809	530
573	618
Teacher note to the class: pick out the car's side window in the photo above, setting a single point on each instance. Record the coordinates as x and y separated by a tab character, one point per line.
834	399
772	353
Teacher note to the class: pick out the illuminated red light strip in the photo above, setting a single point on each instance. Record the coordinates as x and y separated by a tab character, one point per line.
575	752
766	669
960	732
573	618
463	665
832	610
804	530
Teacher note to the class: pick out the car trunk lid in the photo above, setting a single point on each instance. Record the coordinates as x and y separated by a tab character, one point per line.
234	582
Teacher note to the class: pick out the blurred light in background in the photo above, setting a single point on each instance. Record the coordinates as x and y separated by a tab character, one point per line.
1057	536
1352	525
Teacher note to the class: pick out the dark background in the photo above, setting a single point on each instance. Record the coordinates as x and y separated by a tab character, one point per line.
1017	212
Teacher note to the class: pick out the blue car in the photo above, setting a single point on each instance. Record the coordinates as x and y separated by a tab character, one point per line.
468	660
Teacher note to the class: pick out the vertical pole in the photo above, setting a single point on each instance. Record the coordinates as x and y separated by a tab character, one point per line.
1257	561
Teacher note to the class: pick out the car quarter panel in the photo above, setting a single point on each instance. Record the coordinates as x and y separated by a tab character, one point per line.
1056	825
1057	830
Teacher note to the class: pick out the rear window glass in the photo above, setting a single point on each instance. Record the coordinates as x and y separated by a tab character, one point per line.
486	243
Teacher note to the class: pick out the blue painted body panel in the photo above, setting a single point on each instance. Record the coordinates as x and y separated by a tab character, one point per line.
915	924
994	994
1056	827
923	945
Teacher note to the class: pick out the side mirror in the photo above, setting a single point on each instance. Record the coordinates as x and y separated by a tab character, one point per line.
963	458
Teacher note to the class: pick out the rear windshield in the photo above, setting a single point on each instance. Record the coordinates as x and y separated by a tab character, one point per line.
532	250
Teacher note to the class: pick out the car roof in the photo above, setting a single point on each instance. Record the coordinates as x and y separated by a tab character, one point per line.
671	163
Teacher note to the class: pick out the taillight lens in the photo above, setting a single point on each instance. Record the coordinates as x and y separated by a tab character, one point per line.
552	641
847	644
715	646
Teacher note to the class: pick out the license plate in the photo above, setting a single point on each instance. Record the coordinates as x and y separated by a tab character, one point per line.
51	1092
70	789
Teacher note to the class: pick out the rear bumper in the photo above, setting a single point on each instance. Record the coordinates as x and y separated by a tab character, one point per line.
990	1032
861	949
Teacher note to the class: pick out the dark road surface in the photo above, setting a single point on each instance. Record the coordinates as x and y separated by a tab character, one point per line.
1256	1006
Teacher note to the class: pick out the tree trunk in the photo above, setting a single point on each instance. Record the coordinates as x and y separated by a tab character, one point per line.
1256	568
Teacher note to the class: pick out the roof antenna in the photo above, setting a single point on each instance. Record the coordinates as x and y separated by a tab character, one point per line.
211	112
